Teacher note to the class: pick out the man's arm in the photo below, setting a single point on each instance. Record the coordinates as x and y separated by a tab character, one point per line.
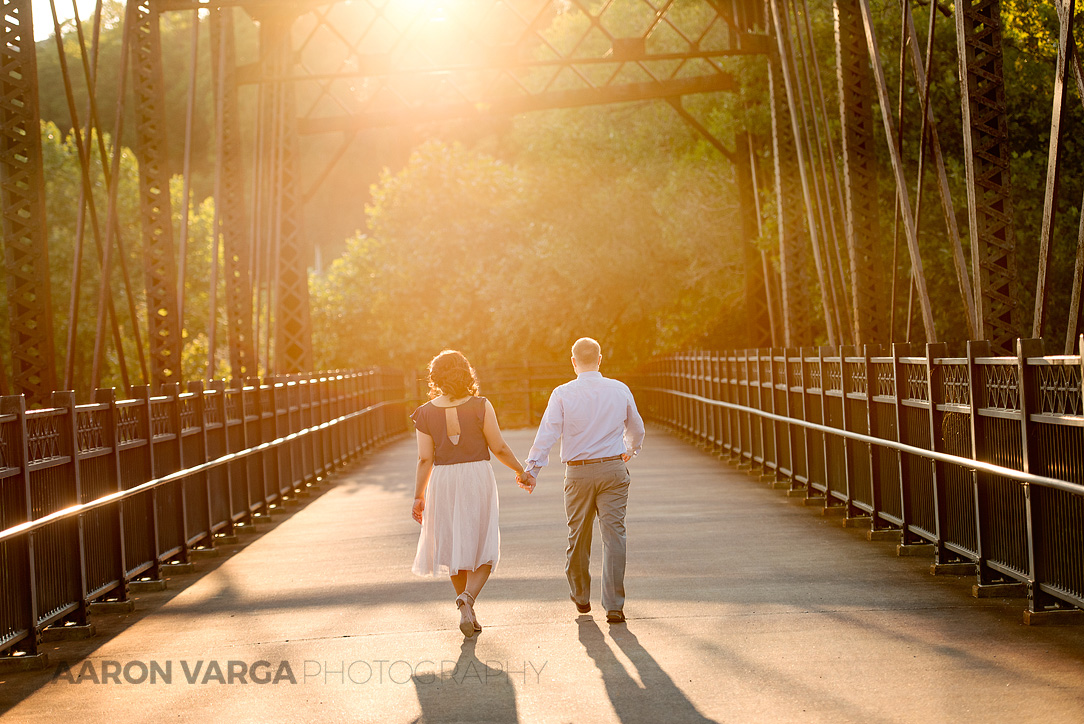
634	429
549	432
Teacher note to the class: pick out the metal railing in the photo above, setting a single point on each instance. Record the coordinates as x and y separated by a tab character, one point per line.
95	496
980	456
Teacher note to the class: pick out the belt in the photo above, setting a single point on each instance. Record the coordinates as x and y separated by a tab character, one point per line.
594	460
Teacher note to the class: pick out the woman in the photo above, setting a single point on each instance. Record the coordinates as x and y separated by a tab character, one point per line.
455	495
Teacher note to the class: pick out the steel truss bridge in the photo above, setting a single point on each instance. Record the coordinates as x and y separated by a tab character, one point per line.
496	58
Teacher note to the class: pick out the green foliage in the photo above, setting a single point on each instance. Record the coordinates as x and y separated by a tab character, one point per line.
508	239
512	262
63	184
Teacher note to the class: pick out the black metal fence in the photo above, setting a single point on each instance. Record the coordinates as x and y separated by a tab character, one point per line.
1024	413
67	455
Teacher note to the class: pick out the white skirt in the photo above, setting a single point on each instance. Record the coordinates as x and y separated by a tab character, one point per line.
460	522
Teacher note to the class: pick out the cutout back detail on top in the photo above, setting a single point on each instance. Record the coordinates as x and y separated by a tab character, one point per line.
451	423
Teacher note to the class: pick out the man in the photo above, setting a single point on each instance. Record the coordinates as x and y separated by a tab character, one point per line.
600	430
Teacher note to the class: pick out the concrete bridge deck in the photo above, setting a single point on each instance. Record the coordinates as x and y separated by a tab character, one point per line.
742	606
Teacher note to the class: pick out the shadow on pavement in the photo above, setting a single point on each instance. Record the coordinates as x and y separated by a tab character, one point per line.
658	700
469	691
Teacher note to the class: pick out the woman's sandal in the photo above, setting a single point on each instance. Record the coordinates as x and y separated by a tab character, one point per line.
468	623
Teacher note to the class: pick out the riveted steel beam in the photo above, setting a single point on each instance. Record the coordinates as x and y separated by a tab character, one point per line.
237	246
22	199
989	182
159	252
862	227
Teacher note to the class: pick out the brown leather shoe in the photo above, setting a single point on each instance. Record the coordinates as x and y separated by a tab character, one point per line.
615	617
581	607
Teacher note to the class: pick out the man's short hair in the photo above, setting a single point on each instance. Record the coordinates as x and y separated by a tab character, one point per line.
587	351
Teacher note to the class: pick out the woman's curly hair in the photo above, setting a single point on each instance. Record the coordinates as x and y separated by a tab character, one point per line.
451	374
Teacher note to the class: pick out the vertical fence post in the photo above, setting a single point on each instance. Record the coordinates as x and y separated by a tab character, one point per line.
768	428
976	389
935	381
874	469
351	408
111	439
173	391
707	390
142	393
195	389
219	401
69	446
823	398
741	397
757	402
718	413
789	411
846	383
696	405
703	408
1028	382
805	353
674	403
900	377
17	448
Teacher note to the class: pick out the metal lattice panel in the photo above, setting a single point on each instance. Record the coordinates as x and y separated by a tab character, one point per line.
235	231
987	156
380	63
815	375
886	379
859	383
955	384
1001	388
159	255
42	437
918	384
859	173
90	430
1059	390
833	375
129	424
22	197
795	367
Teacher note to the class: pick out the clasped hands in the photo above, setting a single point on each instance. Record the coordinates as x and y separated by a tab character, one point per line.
526	481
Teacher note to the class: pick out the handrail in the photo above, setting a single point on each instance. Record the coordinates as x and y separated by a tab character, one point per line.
969	463
32	525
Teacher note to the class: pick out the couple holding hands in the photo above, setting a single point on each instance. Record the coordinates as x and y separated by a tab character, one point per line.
455	494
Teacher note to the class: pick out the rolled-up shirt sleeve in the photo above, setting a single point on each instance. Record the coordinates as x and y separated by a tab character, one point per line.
549	432
634	428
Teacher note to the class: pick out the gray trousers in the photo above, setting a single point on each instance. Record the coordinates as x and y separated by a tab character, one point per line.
602	489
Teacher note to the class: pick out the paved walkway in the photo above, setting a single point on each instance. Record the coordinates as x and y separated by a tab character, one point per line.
742	606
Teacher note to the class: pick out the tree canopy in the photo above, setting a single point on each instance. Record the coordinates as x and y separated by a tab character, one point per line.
509	239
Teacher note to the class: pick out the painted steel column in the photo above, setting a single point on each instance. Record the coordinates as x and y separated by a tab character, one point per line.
291	254
859	174
22	198
159	253
235	229
986	157
795	279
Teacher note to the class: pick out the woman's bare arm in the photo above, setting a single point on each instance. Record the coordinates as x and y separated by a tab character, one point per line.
425	468
495	440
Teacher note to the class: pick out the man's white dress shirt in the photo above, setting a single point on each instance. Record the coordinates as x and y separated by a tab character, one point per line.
593	416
